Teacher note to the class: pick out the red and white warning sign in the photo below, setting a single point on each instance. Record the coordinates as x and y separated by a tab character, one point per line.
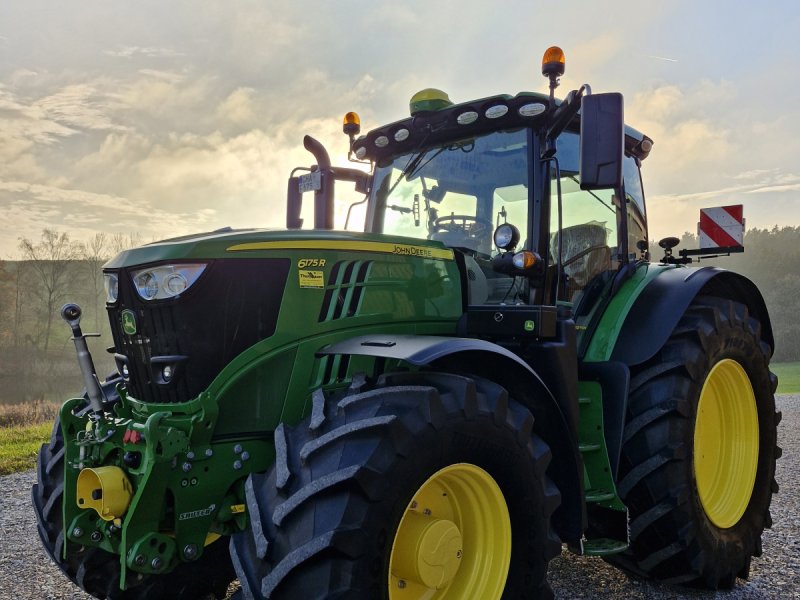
721	227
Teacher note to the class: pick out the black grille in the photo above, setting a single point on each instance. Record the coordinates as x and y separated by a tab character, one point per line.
336	304
233	305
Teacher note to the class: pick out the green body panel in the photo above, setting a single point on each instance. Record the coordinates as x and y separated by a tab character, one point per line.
605	335
190	480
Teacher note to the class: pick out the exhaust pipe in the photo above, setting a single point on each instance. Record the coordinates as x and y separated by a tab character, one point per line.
71	313
323	197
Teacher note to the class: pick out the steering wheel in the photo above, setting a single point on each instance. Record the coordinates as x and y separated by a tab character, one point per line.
582	253
462	224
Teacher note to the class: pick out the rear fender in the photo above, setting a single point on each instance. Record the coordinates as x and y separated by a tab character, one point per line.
498	364
662	303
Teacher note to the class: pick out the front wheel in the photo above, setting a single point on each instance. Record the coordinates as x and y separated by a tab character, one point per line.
698	460
428	486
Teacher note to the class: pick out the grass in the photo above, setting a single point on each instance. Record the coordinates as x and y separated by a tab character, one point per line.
788	377
20	445
23	428
28	413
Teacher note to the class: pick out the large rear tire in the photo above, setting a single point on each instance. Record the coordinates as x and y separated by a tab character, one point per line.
96	571
698	459
429	485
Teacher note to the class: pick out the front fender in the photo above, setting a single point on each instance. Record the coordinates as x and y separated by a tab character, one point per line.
484	359
662	302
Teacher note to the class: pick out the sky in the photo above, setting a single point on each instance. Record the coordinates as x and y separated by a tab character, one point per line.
153	119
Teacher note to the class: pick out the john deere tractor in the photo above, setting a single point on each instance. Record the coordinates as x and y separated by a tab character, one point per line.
432	407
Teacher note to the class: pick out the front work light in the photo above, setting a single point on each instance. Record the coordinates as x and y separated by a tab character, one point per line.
506	236
165	281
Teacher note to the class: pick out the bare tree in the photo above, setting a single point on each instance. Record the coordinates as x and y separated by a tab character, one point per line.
120	241
94	253
7	300
49	261
18	275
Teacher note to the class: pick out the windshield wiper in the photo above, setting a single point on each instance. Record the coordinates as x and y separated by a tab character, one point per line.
596	197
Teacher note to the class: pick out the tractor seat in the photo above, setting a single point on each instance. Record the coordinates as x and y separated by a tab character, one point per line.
585	255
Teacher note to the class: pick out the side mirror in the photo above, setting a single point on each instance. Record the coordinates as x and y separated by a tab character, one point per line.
602	141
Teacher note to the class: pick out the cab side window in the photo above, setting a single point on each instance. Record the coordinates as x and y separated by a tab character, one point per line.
635	208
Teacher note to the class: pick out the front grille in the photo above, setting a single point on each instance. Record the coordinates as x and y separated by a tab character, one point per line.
233	305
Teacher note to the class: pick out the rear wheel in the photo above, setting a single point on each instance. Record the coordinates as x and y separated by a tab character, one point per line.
428	486
98	572
698	460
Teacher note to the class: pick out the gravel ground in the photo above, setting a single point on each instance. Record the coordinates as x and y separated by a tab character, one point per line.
27	573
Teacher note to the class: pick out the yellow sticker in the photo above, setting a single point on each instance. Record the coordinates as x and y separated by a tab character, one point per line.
312	279
237	508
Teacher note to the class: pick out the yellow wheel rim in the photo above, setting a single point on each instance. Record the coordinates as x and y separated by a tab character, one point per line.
454	540
726	443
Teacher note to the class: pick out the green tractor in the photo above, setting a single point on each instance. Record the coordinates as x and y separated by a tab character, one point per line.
430	408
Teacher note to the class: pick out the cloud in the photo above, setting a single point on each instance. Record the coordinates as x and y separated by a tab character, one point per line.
33	207
795	187
239	106
80	106
149	52
199	109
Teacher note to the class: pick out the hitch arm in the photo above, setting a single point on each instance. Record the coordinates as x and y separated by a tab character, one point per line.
71	313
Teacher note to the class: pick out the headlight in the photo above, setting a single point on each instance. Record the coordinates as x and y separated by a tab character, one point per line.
506	236
165	281
111	283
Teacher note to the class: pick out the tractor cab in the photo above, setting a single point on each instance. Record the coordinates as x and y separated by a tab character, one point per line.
541	199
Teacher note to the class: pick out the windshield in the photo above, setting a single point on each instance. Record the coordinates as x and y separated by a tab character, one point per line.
457	193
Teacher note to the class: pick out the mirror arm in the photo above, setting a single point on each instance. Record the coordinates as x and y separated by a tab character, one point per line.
566	111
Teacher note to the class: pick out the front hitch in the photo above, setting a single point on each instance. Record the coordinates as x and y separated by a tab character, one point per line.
71	313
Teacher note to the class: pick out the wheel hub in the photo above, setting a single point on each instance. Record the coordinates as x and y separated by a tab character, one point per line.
454	539
431	550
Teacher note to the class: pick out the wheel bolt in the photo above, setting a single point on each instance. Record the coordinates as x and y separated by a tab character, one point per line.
140	560
427	512
96	536
401	584
157	563
245	455
77	532
190	455
209	452
237	449
237	465
187	467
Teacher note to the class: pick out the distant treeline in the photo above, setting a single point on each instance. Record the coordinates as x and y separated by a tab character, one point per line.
772	261
37	358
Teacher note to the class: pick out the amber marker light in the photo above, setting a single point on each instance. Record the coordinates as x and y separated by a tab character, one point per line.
524	260
553	62
351	124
